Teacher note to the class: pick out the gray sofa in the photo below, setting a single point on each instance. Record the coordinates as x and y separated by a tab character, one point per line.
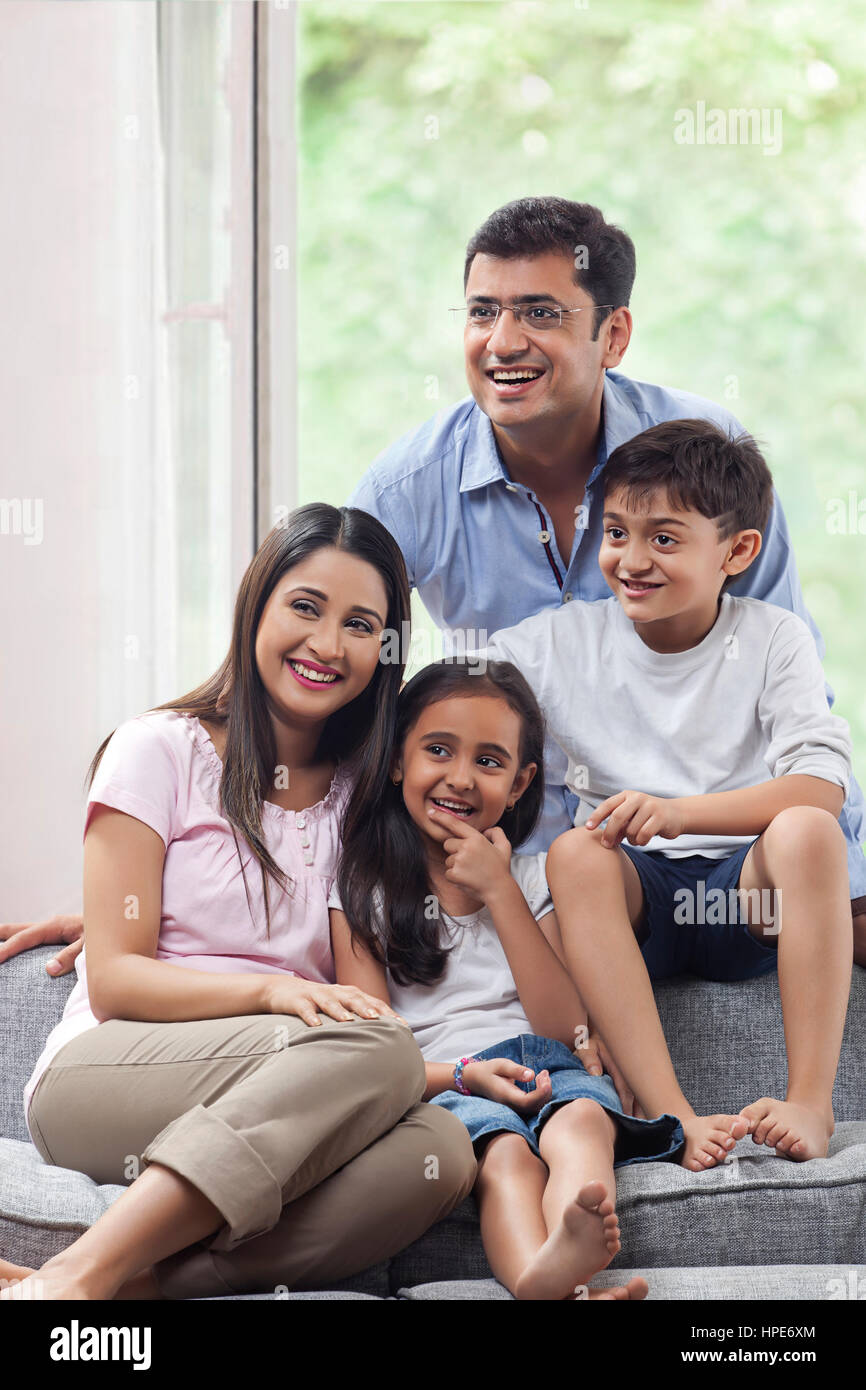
759	1227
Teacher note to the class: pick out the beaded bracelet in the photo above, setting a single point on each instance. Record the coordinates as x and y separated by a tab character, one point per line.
458	1076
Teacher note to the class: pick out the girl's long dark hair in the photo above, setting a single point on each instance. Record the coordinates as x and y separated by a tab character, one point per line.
382	846
359	734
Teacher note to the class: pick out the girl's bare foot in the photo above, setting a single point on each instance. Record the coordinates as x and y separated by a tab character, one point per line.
709	1138
635	1289
584	1242
793	1130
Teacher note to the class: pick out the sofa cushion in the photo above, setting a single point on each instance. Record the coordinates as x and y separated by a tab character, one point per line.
43	1209
749	1282
756	1208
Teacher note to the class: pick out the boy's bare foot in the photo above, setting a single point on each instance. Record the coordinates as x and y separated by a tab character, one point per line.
709	1138
584	1242
793	1130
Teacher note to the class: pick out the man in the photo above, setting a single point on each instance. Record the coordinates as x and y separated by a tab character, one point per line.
496	503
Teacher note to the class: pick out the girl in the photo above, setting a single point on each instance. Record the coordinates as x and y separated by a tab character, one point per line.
433	914
207	1043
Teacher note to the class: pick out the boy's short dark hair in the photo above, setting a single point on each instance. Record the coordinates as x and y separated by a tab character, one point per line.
605	267
701	468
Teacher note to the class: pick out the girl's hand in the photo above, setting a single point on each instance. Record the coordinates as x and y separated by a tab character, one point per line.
495	1080
479	862
307	999
23	936
636	817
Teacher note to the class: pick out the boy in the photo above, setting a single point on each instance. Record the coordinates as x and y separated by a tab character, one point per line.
697	698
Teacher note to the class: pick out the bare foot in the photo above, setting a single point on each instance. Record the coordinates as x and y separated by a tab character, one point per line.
709	1138
636	1288
10	1273
793	1130
39	1288
141	1286
584	1242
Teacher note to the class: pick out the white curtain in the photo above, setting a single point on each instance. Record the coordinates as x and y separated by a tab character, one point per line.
87	612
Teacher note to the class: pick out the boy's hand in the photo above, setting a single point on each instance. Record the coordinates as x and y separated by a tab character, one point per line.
495	1080
479	862
637	817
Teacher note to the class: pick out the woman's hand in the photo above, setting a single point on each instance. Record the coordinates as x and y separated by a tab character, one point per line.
637	817
495	1080
289	994
24	936
479	862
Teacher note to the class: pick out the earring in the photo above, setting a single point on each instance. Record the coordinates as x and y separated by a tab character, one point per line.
396	781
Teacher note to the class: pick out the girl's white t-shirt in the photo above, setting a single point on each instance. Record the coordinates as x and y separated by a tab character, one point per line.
475	1002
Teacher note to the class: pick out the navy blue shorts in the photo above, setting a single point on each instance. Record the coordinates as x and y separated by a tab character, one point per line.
637	1141
693	922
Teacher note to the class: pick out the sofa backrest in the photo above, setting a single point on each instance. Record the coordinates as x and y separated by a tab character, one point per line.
31	1002
726	1040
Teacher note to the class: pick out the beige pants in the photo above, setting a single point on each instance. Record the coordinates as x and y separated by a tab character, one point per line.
309	1141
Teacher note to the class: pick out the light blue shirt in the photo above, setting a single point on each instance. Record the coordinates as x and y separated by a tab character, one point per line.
482	553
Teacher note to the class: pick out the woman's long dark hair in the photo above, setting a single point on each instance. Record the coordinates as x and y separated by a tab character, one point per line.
359	734
382	846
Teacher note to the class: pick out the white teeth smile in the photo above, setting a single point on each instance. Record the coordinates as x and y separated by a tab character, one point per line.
312	675
517	376
460	807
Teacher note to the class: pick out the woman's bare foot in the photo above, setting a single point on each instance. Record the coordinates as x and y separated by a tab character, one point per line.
709	1138
141	1286
584	1242
10	1273
793	1130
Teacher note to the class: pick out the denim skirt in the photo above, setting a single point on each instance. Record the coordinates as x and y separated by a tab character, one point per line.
637	1141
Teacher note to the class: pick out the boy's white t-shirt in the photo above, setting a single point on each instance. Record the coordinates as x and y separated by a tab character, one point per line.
747	704
475	1003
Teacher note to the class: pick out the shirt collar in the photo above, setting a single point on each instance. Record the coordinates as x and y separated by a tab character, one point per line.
482	464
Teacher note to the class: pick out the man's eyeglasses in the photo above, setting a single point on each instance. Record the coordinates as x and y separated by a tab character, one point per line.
534	316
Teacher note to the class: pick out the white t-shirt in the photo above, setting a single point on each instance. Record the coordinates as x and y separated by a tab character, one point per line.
475	1003
746	704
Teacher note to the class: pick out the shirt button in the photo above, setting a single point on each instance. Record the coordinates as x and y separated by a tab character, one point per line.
544	537
308	856
300	822
566	598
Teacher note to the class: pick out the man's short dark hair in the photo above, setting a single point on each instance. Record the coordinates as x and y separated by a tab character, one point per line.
603	255
700	468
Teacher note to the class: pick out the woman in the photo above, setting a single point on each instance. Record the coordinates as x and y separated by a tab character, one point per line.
275	1114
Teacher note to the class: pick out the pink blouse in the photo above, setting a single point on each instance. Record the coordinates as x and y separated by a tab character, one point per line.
162	768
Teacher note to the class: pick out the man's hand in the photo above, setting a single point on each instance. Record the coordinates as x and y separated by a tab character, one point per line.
479	862
23	936
637	817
